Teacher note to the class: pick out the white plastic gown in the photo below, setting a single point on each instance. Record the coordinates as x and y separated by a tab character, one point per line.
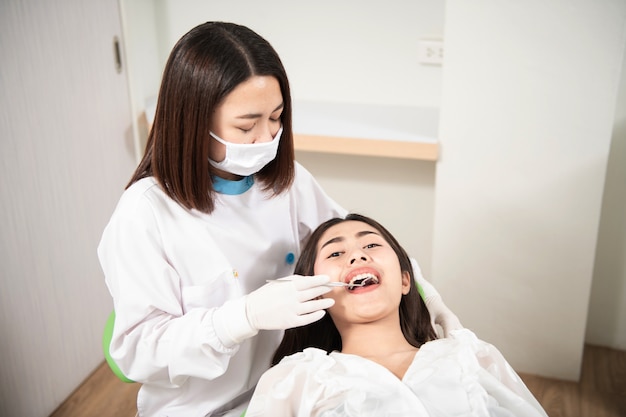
168	269
457	376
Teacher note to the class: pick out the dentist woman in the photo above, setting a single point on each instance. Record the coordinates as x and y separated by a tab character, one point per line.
216	207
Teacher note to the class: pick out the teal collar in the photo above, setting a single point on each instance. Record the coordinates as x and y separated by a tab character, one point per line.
230	187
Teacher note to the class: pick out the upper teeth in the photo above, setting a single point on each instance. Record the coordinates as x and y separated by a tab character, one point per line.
362	277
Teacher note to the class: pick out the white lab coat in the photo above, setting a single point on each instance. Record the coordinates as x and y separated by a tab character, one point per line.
168	269
457	376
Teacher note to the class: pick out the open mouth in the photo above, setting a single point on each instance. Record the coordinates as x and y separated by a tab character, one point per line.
362	280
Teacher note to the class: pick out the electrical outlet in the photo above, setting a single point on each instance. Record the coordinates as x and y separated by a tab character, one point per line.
430	51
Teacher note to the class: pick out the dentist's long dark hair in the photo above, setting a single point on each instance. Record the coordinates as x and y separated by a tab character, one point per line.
323	334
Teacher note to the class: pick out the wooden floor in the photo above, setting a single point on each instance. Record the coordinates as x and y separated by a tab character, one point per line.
601	391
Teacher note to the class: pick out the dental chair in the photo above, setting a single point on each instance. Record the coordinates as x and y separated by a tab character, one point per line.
106	345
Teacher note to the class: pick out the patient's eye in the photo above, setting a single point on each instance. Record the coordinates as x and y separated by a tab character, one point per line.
334	254
372	245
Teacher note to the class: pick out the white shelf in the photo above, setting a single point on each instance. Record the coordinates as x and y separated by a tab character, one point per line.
362	129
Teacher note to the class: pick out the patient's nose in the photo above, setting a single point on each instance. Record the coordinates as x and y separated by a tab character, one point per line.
354	259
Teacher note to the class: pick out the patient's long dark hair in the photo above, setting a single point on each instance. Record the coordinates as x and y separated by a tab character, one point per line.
323	334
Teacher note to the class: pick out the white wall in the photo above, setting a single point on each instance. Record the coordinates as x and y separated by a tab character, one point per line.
606	325
350	51
527	111
65	156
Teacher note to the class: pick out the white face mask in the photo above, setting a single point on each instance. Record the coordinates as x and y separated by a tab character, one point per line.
247	158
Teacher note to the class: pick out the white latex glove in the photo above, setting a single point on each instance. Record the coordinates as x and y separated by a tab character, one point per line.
442	315
290	302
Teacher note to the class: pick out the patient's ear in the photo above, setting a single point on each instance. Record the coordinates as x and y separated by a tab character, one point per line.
406	282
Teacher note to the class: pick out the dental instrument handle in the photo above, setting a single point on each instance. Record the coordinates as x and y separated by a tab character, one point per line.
328	284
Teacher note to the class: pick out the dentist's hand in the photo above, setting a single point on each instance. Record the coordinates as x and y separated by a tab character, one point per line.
442	315
289	302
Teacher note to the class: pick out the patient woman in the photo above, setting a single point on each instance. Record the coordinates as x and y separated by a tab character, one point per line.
369	356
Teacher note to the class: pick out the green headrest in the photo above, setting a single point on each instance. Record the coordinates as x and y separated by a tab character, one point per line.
106	344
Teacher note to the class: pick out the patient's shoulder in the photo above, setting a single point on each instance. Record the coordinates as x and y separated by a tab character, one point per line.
307	356
297	365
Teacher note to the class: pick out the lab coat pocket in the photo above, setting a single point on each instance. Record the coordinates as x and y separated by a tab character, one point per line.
214	293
